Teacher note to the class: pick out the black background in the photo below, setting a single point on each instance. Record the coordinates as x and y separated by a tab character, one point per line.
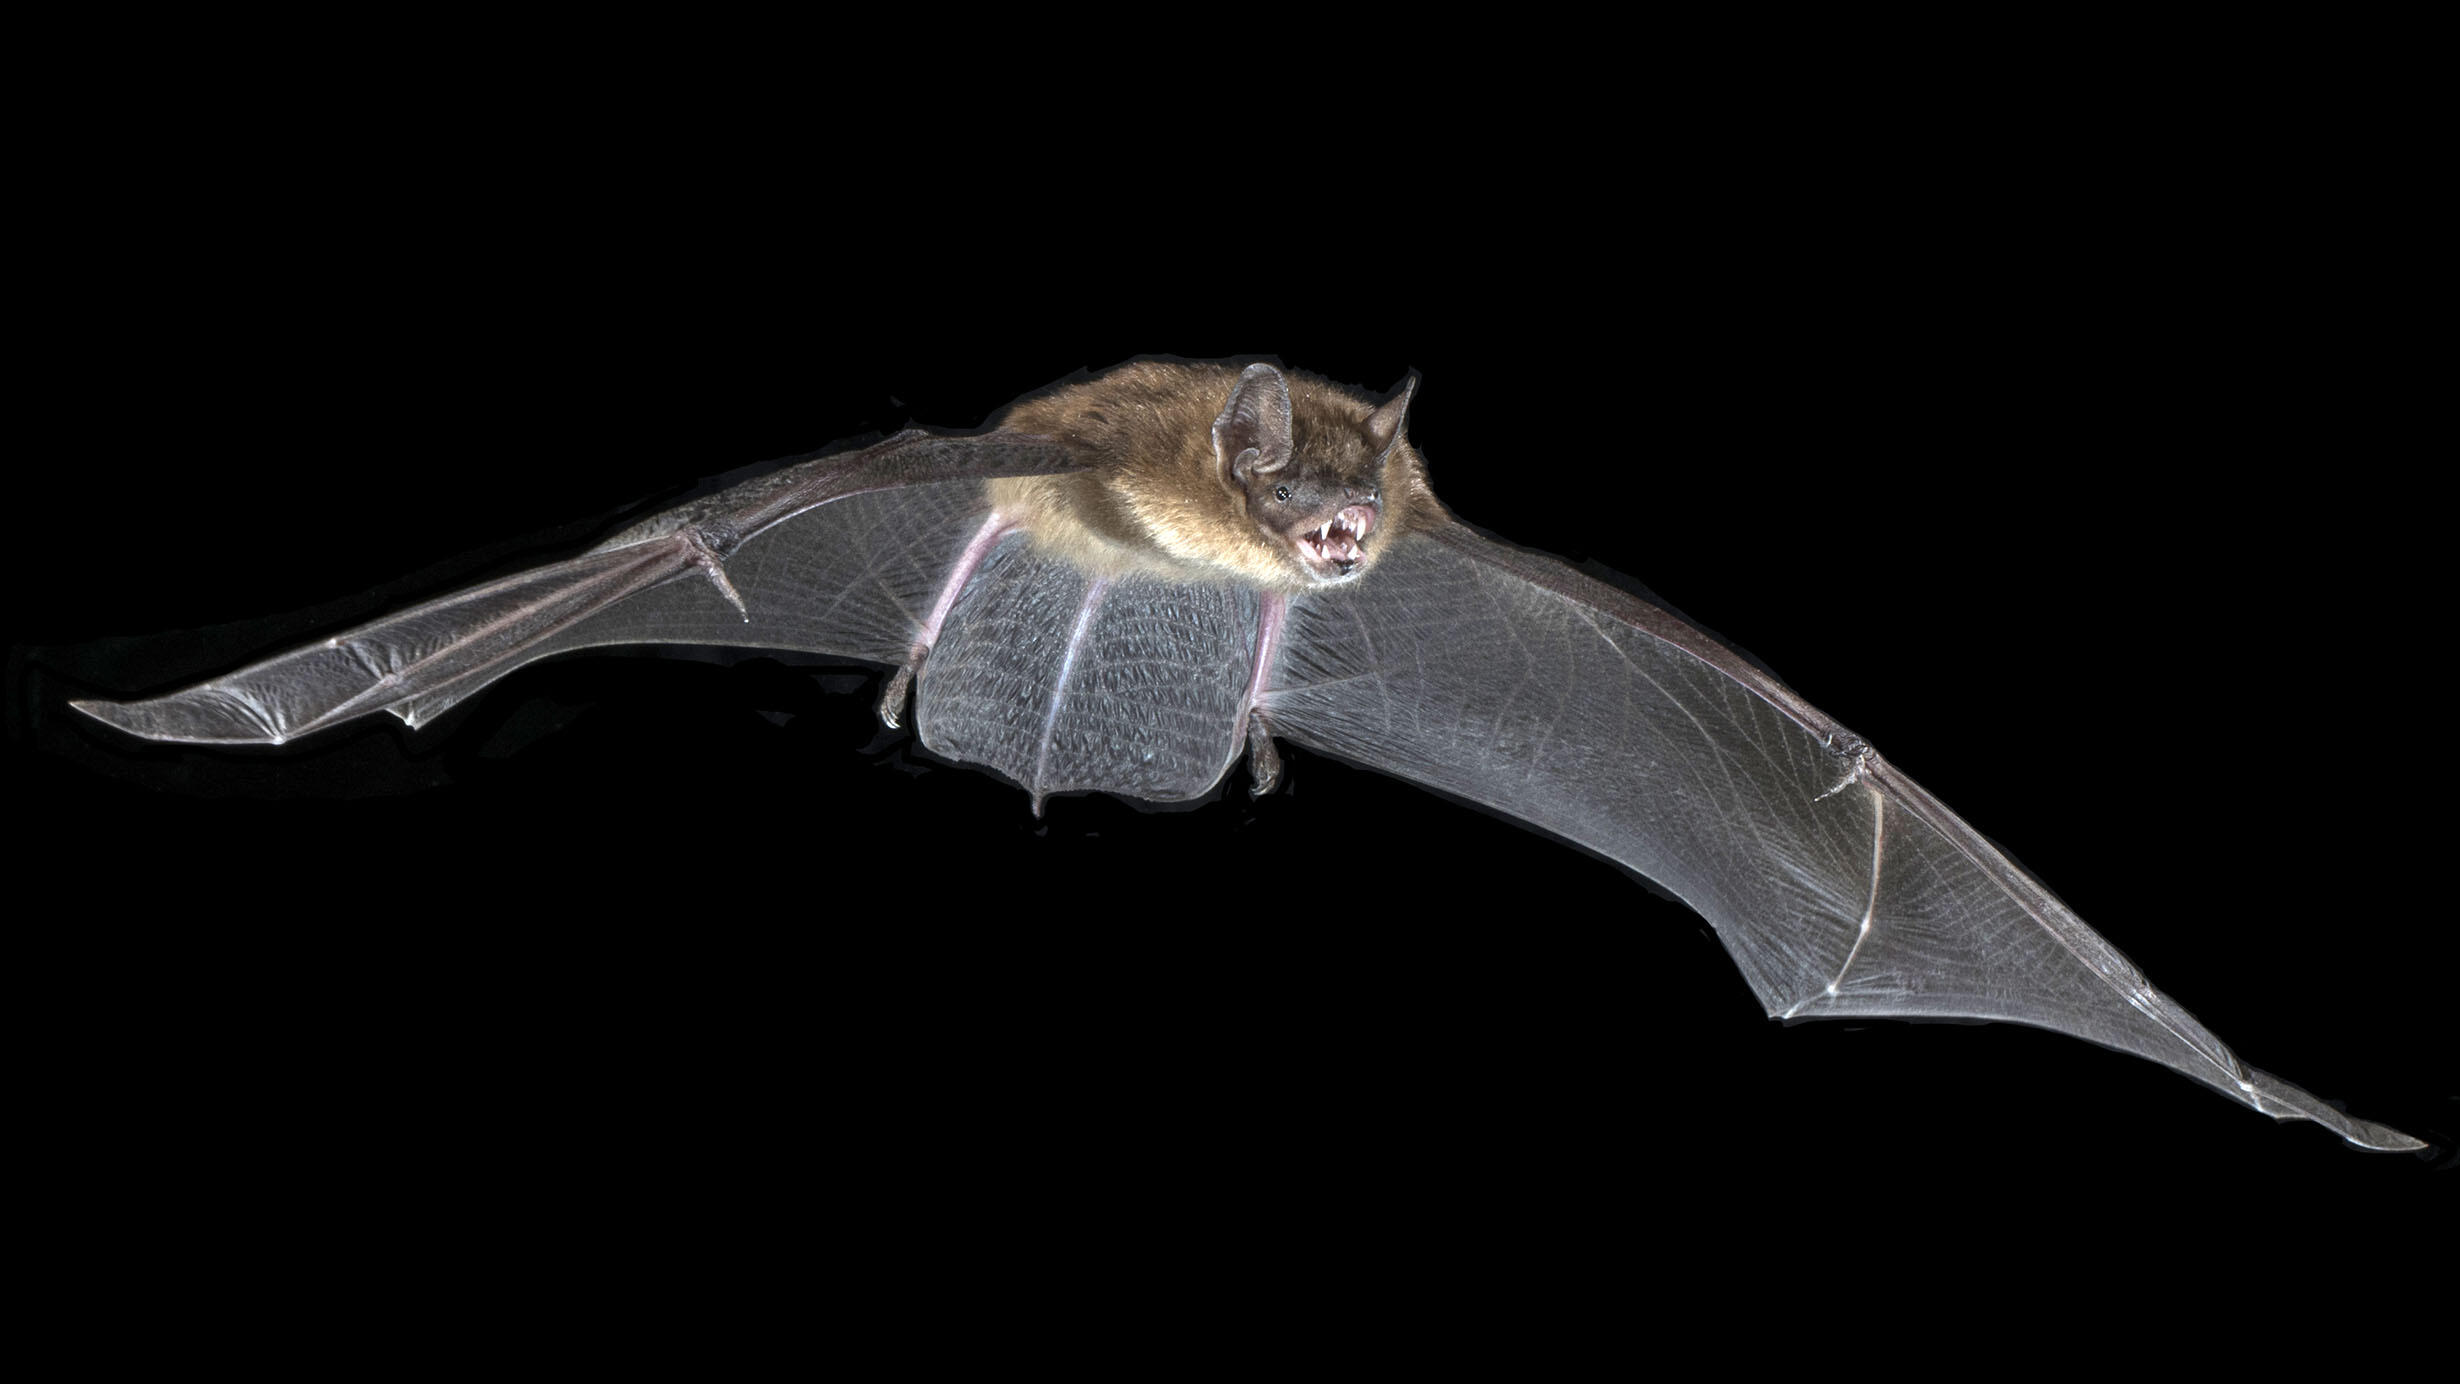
2080	533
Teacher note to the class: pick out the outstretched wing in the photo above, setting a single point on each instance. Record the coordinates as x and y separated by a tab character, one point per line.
1839	886
841	554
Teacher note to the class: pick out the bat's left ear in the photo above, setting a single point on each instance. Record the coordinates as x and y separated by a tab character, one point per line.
1384	425
1252	435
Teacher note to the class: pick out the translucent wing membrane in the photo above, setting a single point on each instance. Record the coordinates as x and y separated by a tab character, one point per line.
840	555
1838	886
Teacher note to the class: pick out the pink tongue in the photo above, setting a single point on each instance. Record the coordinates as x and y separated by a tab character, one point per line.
1340	546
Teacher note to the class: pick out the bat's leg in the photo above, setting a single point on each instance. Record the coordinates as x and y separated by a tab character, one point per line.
1263	761
977	549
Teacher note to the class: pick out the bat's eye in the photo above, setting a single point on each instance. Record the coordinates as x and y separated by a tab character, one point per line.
1281	492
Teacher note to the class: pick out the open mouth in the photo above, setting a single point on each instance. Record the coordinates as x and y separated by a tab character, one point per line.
1333	548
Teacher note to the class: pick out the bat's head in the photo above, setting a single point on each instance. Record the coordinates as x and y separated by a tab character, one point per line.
1312	480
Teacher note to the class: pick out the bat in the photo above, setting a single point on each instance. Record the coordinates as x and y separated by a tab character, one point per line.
1370	536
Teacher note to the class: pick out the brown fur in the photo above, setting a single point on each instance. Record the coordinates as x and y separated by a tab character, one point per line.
1157	499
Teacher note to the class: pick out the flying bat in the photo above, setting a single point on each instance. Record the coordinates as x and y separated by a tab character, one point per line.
1148	582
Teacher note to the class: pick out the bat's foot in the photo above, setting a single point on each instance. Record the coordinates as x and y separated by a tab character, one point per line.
1263	760
892	701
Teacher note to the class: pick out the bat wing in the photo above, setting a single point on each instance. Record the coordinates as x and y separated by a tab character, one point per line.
842	554
1840	887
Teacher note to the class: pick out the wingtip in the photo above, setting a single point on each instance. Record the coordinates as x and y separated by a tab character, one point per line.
113	714
2283	1101
198	716
2366	1134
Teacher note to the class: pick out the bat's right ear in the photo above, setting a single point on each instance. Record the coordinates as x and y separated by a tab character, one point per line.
1252	435
1384	425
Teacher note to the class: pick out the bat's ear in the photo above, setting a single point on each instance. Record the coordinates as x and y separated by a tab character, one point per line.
1384	425
1253	433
